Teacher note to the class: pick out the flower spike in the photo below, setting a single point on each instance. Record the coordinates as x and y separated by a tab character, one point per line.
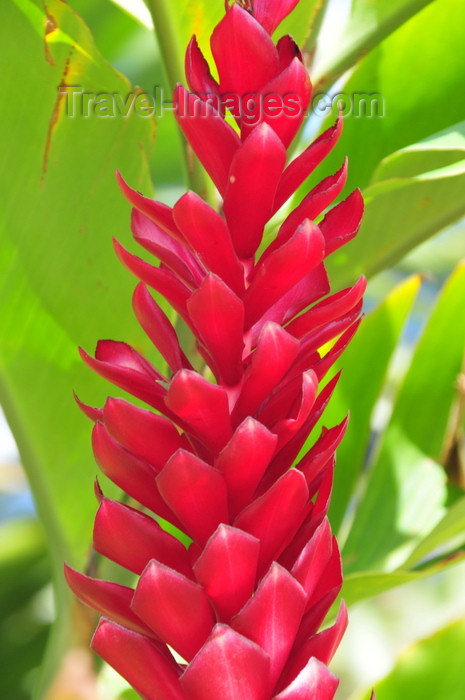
241	591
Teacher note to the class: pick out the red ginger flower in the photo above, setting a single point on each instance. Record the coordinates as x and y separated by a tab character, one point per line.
242	605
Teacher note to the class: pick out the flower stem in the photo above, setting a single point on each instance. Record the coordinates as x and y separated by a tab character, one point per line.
172	56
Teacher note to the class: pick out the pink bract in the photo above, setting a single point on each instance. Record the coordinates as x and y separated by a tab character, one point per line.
236	615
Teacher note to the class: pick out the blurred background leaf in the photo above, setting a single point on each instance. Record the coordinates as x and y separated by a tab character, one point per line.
24	572
58	214
414	194
417	71
368	23
405	494
432	668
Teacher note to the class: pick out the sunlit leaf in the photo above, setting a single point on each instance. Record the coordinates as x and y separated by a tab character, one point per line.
366	584
405	497
359	388
368	24
416	102
405	492
304	22
60	282
432	668
407	203
450	530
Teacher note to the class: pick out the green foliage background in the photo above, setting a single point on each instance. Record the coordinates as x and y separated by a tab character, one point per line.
398	502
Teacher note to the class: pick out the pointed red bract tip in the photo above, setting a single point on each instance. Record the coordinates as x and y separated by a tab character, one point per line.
245	55
198	75
270	13
98	491
147	665
95	414
241	668
109	599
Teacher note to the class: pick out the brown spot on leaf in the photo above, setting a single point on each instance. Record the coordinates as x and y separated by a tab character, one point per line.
50	28
453	457
54	118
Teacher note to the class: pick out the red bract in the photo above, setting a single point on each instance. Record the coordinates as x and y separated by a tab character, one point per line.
236	614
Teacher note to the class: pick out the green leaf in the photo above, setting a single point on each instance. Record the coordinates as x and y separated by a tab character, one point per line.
432	668
65	169
304	23
430	387
24	571
361	585
60	282
405	210
364	364
417	102
404	498
450	531
175	23
405	492
431	154
439	255
23	564
131	48
50	282
136	9
129	694
370	21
